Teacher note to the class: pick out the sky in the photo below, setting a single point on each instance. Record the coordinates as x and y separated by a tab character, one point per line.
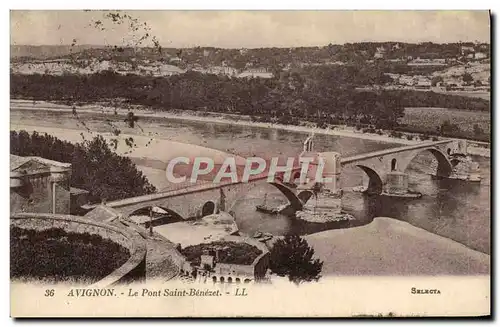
251	29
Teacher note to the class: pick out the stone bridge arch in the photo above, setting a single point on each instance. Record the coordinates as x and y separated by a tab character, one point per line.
305	195
186	205
208	208
290	195
244	188
444	167
171	216
375	180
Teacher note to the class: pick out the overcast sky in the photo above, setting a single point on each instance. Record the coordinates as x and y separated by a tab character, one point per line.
236	29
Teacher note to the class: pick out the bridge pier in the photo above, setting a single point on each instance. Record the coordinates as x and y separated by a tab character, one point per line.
325	204
397	186
464	168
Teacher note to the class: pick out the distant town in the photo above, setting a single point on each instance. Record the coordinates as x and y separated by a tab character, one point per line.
425	66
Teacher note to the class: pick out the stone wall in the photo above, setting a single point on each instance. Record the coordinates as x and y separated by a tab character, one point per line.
257	269
132	270
36	195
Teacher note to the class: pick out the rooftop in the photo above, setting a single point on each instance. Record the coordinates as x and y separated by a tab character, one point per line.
18	161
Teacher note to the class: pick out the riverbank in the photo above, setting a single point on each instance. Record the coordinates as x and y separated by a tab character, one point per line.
467	219
388	247
476	148
205	117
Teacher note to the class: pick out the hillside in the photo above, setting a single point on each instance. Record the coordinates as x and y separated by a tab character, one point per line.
46	51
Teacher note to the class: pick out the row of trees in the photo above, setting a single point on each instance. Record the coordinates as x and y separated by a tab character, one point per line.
95	167
321	94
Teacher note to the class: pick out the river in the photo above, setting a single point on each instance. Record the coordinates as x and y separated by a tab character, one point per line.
453	209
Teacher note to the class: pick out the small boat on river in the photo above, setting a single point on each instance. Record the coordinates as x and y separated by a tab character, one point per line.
265	208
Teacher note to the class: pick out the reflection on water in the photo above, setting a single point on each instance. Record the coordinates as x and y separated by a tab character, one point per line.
454	209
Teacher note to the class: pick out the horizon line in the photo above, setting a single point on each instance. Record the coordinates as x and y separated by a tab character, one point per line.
250	48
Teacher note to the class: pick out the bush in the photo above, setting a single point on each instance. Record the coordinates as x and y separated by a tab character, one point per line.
478	131
396	134
55	255
424	137
293	257
448	128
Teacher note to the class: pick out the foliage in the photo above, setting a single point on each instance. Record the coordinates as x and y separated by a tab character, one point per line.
396	134
313	95
467	78
477	130
95	167
293	257
436	79
55	255
424	137
447	128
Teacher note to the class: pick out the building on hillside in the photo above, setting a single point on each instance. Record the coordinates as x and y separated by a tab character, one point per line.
466	49
379	53
480	55
406	80
423	83
222	70
427	62
396	60
167	70
256	72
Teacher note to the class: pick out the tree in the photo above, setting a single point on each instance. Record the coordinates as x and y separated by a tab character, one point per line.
436	79
448	128
95	167
467	78
478	131
293	257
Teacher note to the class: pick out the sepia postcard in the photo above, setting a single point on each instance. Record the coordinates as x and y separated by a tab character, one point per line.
250	163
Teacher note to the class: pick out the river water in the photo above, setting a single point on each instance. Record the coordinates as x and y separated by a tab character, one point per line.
453	209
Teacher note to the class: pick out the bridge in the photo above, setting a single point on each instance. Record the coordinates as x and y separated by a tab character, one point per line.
188	200
380	165
197	200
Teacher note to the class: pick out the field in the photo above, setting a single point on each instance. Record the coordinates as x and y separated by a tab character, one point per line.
471	94
431	118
